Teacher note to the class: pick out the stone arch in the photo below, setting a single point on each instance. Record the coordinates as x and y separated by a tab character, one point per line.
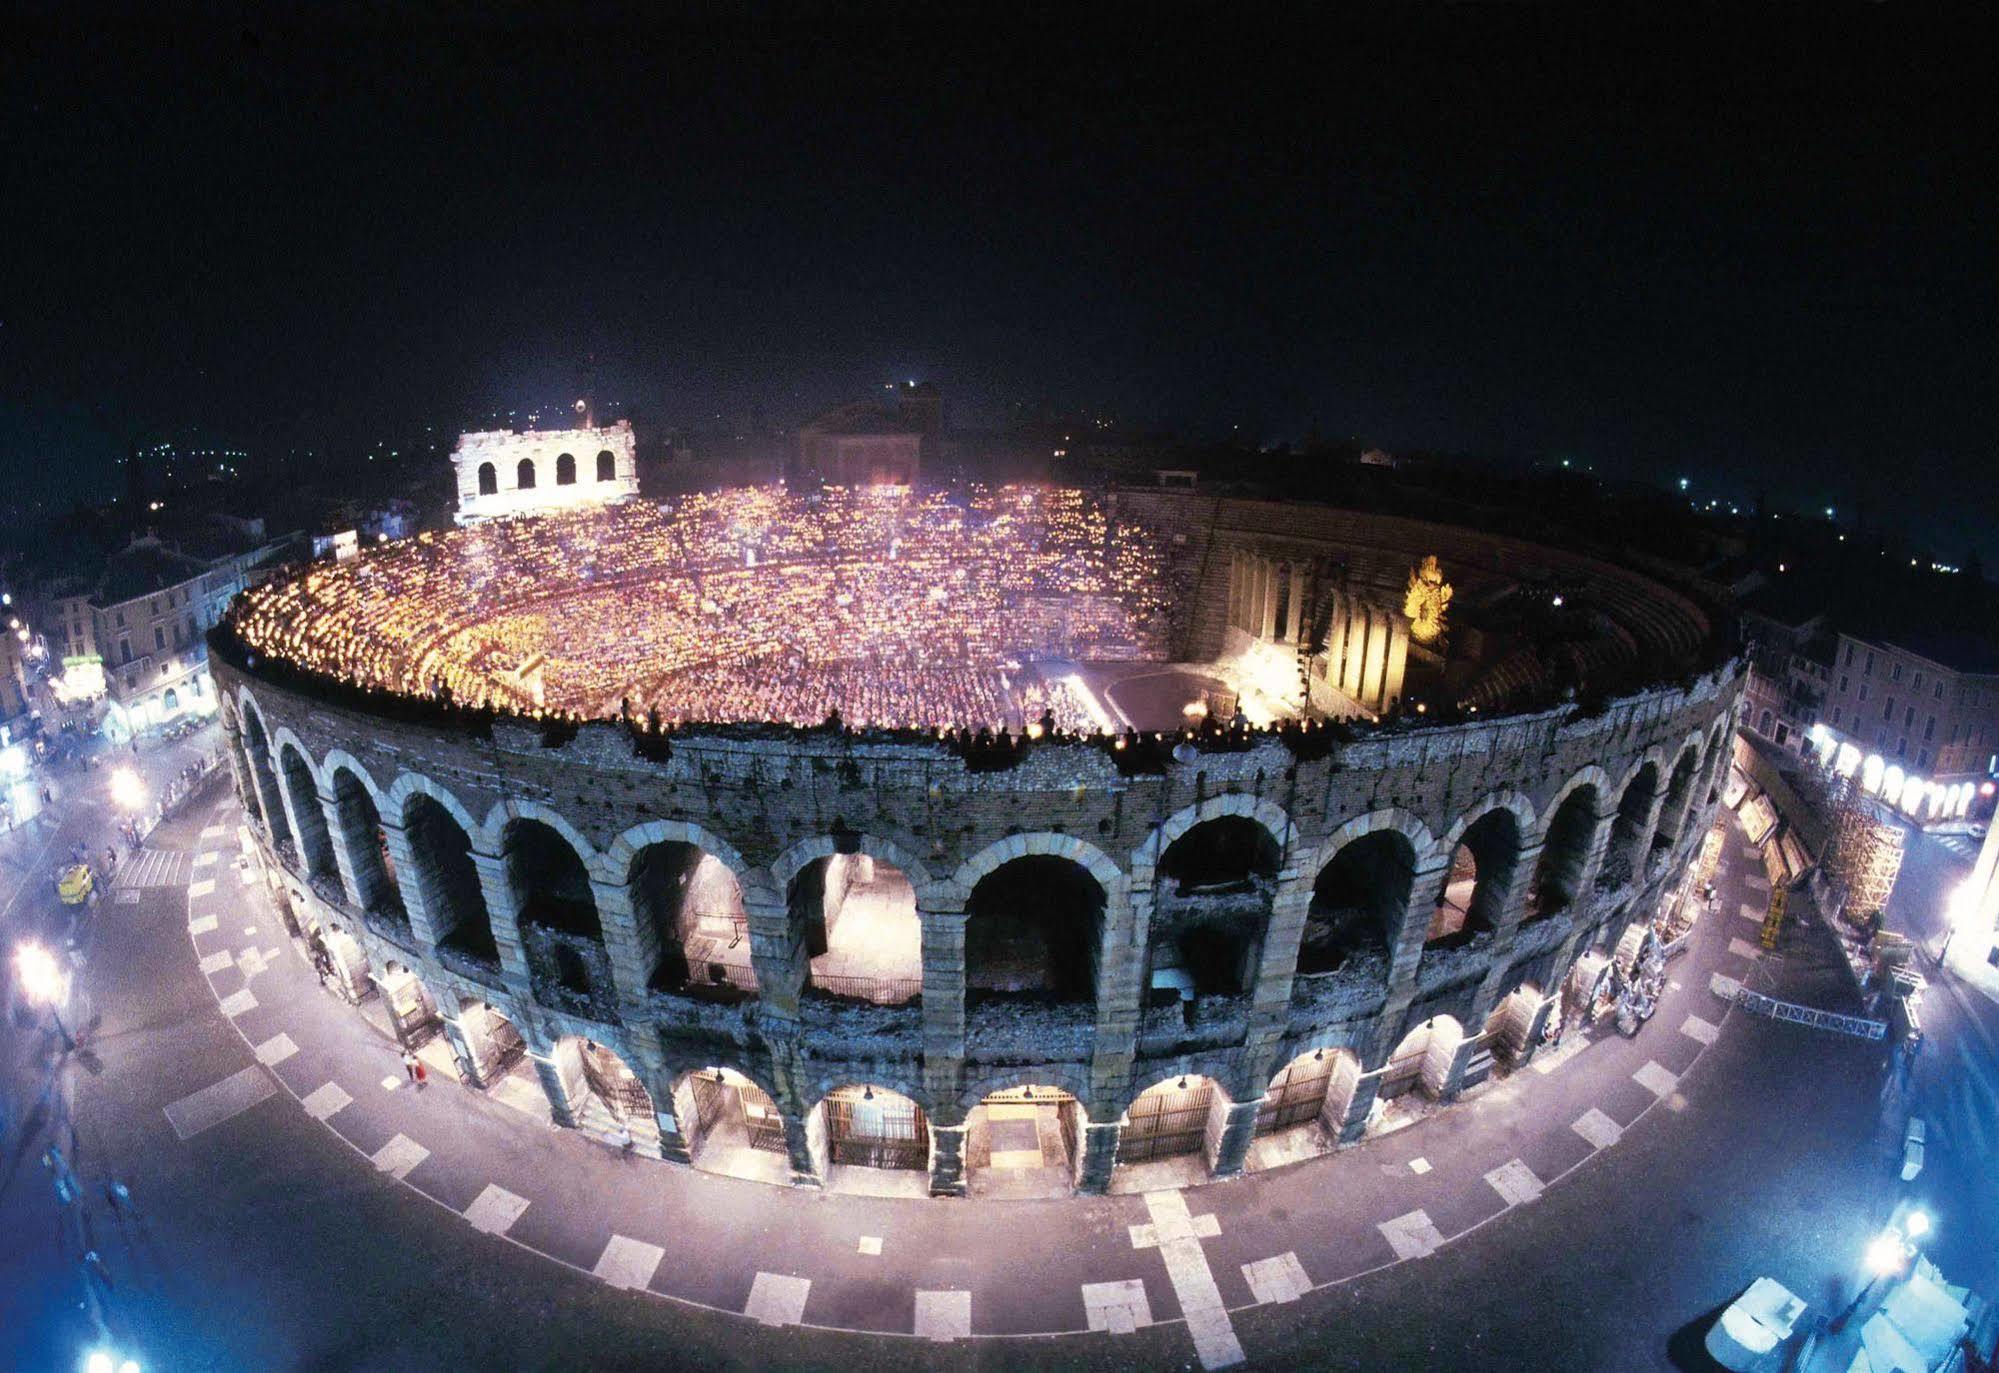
341	758
524	475
1173	1116
793	860
1409	825
300	780
1483	849
1507	799
413	784
440	836
729	1119
565	469
1271	817
614	864
685	889
1588	775
1035	925
1630	842
1422	1060
856	1121
1681	784
1311	1091
981	1082
354	810
1040	843
1363	881
507	812
227	709
489	479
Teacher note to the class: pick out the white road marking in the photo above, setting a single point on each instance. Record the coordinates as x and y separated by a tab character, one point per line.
628	1263
871	1245
216	962
1656	1080
1742	949
1703	1031
399	1155
1419	1166
1599	1129
322	1102
204	925
944	1316
213	832
1280	1279
495	1210
1515	1182
777	1299
202	888
1119	1307
276	1050
1178	1234
204	860
1413	1236
217	1102
1752	911
236	1003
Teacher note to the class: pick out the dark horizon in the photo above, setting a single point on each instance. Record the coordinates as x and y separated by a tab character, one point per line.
1758	259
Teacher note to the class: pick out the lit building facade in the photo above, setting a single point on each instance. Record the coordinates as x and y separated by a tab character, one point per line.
1925	717
538	471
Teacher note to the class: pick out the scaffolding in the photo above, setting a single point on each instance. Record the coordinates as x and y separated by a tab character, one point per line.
1864	856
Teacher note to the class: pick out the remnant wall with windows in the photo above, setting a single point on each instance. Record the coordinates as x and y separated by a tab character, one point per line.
503	472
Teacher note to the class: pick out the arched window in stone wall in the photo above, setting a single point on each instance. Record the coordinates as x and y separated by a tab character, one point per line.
1211	909
367	849
314	844
1230	851
447	880
565	469
524	474
858	917
1679	793
1033	927
692	906
489	480
1624	857
561	936
1473	899
1358	902
1565	852
607	466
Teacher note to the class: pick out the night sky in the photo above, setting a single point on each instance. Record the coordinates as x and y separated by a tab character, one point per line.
1758	259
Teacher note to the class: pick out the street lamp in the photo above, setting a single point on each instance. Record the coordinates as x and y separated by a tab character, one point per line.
1960	913
45	984
1887	1252
128	789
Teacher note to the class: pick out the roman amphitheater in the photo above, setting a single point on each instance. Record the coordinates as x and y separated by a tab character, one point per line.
996	842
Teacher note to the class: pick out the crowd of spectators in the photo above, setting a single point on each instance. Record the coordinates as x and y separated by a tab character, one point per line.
887	607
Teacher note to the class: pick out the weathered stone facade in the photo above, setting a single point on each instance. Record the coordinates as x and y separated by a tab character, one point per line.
1605	810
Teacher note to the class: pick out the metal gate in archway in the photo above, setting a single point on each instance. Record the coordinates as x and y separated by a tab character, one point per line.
714	1097
614	1084
871	1129
1167	1121
1297	1095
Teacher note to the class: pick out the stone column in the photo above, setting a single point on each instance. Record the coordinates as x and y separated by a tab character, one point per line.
1519	890
1537	1027
503	910
269	801
632	950
947	1160
461	1049
1354	1124
1270	998
777	952
943	1004
560	1109
1454	1077
1294	619
1426	888
804	1149
239	769
1267	615
424	922
1238	1132
1099	1148
1127	920
363	894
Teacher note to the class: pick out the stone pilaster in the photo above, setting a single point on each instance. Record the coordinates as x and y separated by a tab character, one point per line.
1519	889
632	951
1468	1047
426	926
503	910
947	1160
1270	998
777	952
1099	1148
1426	888
269	800
1537	1027
805	1142
346	862
1120	968
461	1049
1360	1108
1238	1132
239	769
549	1072
943	1012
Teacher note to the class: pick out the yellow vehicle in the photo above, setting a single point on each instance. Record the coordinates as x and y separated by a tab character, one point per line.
74	884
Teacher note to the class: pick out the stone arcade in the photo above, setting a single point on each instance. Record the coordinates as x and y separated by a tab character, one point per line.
1109	967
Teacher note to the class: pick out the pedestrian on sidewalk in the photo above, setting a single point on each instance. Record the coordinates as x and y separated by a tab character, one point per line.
419	1073
411	1066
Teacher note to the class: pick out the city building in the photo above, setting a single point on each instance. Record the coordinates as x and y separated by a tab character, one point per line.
140	629
865	444
1790	665
1929	707
505	472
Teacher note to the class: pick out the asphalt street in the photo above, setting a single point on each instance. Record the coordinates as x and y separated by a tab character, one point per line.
272	1239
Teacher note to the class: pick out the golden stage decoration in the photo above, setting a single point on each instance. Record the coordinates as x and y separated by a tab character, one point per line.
1428	598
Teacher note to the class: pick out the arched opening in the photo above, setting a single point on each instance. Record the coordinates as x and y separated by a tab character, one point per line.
1033	928
692	906
447	880
1358	902
1229	853
865	1127
497	1056
489	480
1172	1124
1565	852
1422	1062
1514	1024
524	474
565	469
1473	899
170	700
607	466
861	929
606	1098
315	845
413	1015
1679	792
731	1126
1304	1111
258	747
1211	910
339	958
360	825
560	932
1623	859
1024	1142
